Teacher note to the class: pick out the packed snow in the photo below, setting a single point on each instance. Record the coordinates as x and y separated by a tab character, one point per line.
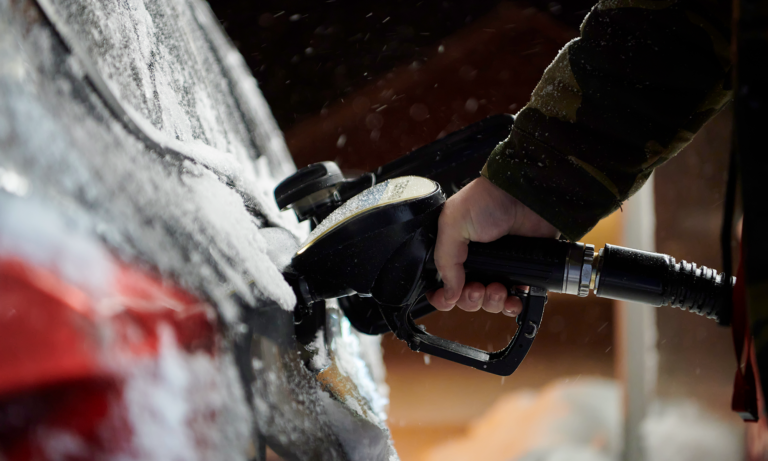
582	421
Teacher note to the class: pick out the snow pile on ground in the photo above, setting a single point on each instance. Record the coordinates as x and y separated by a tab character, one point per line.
683	431
581	421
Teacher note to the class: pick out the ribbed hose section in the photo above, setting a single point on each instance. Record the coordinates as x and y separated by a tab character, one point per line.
696	289
658	280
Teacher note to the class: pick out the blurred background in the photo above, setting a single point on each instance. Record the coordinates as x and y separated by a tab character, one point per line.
362	83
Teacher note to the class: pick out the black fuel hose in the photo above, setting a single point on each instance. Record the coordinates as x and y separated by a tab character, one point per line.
657	279
615	272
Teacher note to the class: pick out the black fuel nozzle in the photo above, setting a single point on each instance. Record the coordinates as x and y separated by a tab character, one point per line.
373	238
376	251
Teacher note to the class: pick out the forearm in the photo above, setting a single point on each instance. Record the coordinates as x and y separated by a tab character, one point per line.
616	103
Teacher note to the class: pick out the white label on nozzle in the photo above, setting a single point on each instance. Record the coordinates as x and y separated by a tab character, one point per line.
390	191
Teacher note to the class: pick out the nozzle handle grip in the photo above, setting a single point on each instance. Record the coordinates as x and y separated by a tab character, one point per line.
503	362
539	263
515	260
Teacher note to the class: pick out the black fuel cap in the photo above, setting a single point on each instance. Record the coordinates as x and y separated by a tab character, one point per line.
307	181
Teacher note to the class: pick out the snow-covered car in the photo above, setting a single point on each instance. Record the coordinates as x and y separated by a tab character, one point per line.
143	314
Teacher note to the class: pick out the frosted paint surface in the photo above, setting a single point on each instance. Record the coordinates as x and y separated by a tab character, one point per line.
29	231
390	191
169	64
163	395
344	424
350	349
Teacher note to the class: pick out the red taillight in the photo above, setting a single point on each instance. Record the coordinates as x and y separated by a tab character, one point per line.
46	333
65	357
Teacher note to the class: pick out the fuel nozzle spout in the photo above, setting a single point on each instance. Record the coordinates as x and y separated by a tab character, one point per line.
657	279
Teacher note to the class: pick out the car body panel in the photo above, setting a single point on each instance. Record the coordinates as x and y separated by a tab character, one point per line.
97	202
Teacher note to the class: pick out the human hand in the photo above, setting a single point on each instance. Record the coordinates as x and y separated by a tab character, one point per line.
480	212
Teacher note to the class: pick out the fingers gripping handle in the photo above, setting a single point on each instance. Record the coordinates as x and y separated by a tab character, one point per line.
554	265
540	263
503	362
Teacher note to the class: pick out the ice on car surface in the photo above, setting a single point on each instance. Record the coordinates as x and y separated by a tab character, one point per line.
174	72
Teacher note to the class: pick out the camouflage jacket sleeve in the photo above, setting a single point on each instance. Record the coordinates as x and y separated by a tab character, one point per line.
616	103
